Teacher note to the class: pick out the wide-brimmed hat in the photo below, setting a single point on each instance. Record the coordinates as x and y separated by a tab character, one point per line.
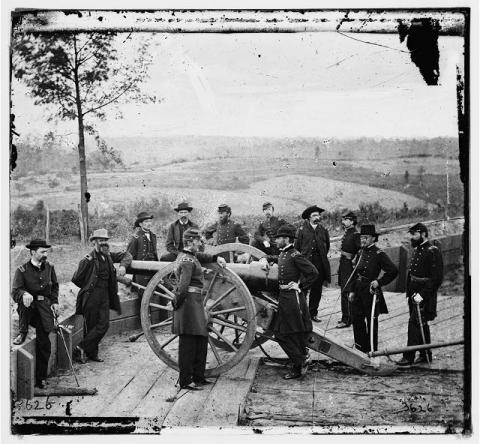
183	206
224	207
306	213
141	217
192	233
267	205
37	243
421	228
285	231
368	230
350	215
101	233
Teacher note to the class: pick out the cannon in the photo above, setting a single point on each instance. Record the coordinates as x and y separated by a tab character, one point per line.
240	304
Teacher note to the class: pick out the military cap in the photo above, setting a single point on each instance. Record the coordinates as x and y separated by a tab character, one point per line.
37	243
350	215
368	230
307	212
141	217
266	205
101	233
224	207
191	233
421	228
285	231
183	206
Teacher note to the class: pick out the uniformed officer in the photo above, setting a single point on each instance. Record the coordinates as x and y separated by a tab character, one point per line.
424	277
263	239
174	242
226	229
143	245
313	241
96	277
371	262
35	290
349	248
189	316
292	323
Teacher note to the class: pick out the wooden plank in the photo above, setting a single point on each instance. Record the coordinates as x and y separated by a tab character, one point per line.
25	374
123	324
227	397
64	349
13	372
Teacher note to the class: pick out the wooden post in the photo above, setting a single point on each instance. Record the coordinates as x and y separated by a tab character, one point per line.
25	374
47	224
80	220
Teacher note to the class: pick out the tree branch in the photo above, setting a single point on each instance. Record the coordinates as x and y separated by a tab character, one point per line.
111	100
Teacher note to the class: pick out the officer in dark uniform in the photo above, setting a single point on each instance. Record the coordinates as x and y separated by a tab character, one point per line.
371	261
96	277
424	277
292	323
189	316
349	248
35	290
313	241
143	245
174	242
263	239
226	229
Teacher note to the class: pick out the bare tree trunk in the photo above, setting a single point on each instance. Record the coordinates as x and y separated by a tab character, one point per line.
81	155
47	224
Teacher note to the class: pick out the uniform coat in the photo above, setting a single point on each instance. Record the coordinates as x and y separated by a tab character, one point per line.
227	232
42	284
267	228
174	242
142	249
86	277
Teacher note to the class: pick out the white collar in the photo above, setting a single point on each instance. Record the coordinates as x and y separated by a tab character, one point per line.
286	247
35	263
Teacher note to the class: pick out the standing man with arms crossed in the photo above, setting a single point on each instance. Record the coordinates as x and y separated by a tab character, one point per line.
292	322
424	277
143	245
96	277
174	242
263	238
313	242
189	316
349	248
35	290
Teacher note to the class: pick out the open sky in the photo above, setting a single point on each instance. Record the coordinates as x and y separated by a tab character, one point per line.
302	84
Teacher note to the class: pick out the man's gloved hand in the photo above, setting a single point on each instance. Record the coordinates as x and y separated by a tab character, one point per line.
27	299
56	309
417	298
351	296
293	286
122	271
221	261
243	258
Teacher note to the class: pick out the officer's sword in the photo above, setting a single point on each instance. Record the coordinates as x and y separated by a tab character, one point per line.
422	332
58	327
372	320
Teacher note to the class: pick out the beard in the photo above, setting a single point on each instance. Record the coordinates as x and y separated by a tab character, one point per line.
43	259
416	242
104	249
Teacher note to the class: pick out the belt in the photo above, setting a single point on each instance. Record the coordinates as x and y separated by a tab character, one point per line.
363	278
194	290
419	279
347	255
40	297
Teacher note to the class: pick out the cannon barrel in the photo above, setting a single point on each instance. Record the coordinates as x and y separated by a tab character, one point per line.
252	274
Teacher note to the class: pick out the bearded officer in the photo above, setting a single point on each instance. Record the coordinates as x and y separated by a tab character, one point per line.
292	323
96	277
35	290
424	277
143	245
189	316
371	262
264	237
313	241
350	245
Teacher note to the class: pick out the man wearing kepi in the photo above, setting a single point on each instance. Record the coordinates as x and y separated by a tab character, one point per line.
292	323
189	316
313	242
263	238
174	242
143	244
96	277
424	277
35	290
366	289
349	248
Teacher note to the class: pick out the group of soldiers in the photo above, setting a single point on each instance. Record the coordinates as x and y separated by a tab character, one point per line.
303	271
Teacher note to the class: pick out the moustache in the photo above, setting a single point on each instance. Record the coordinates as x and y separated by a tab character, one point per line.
43	259
105	246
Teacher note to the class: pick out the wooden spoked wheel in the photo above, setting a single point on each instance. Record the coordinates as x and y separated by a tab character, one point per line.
228	305
230	251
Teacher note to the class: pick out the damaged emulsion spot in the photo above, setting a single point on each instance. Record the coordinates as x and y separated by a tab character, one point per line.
87	196
422	41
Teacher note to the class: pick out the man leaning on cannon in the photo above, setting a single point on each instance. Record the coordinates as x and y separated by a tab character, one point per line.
35	290
189	315
292	323
96	277
424	277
